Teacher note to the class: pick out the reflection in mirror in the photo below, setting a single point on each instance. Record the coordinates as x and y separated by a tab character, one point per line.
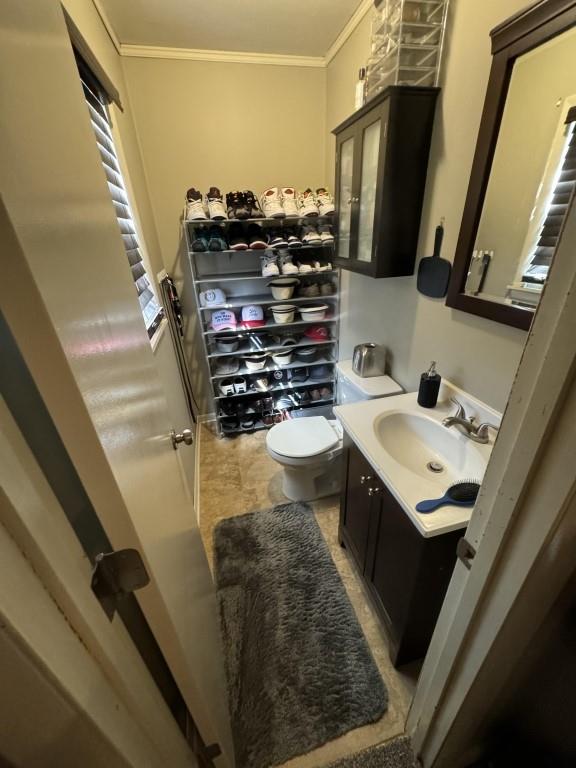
532	179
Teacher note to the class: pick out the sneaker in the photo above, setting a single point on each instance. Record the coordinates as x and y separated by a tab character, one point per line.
304	268
253	205
292	239
272	204
307	203
310	235
194	207
269	265
325	232
309	291
324	201
216	241
256	237
236	238
200	242
276	239
236	204
215	205
289	201
285	262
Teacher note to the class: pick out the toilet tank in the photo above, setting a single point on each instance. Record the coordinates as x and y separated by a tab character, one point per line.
351	388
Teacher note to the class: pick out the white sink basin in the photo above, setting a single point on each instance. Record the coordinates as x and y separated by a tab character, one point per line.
422	444
401	440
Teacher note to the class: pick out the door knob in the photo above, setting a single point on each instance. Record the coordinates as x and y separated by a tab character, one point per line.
185	436
374	491
364	479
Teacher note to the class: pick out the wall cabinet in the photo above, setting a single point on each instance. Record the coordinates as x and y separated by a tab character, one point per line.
406	574
381	162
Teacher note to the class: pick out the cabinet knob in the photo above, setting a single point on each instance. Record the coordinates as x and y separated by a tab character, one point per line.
374	491
364	479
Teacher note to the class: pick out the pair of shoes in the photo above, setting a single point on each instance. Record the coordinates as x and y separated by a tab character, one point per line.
317	236
196	207
209	239
284	238
243	205
306	267
278	202
278	262
253	237
319	203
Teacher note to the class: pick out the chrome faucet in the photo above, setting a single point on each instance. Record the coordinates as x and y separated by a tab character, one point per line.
477	432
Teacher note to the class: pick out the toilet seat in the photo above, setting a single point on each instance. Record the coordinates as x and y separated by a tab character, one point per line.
302	438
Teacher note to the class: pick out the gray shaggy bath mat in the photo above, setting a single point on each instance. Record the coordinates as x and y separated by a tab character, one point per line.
300	672
396	753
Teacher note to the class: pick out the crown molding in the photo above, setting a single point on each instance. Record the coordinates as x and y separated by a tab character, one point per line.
107	25
353	22
230	57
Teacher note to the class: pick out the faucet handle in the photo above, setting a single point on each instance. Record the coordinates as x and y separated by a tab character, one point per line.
460	412
482	430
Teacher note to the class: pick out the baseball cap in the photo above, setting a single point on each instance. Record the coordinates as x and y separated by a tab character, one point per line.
212	297
318	333
223	319
253	316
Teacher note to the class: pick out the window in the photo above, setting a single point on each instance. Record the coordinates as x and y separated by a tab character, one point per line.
97	102
563	186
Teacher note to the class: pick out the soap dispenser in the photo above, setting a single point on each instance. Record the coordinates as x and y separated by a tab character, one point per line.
429	387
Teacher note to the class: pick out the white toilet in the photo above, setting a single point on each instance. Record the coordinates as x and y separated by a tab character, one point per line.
310	449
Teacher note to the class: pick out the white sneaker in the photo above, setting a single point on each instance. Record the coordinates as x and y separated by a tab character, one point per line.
194	207
215	206
304	268
287	267
271	203
326	234
310	235
269	265
324	201
306	203
289	201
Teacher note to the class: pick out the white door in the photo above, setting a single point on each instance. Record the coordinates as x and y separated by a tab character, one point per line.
61	660
68	297
522	531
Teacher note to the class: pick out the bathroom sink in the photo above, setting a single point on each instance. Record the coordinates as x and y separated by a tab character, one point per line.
425	447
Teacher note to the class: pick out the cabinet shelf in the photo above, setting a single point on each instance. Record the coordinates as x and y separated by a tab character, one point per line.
278	388
243	371
233	276
268	326
279	222
266	299
246	350
294	249
260	425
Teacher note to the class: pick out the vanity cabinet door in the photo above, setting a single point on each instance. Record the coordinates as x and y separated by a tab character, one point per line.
356	506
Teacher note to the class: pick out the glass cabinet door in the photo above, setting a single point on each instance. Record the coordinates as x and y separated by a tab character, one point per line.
370	151
345	207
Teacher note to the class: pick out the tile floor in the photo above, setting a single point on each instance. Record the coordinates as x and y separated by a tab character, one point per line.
238	476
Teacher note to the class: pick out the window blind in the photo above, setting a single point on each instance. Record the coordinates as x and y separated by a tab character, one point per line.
97	102
564	188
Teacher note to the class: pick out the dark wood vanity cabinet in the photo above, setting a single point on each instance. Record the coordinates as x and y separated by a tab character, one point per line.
381	163
406	574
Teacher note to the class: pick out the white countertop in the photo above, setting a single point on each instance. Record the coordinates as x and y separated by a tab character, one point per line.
358	421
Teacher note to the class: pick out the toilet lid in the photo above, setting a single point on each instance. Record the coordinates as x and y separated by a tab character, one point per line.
299	438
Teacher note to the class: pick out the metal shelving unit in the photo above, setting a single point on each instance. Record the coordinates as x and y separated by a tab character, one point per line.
237	273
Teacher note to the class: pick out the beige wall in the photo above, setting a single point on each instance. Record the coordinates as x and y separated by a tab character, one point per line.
234	126
477	354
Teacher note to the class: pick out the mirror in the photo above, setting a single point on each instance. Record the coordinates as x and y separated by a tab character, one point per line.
524	172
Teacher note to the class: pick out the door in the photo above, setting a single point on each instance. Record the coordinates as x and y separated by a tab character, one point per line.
355	521
49	614
68	298
345	152
372	136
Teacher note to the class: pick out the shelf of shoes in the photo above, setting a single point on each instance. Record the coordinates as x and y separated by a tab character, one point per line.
237	272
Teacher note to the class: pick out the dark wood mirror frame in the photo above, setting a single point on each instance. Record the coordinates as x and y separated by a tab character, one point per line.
521	33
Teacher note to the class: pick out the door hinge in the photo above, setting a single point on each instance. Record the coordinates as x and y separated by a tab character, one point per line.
117	574
465	552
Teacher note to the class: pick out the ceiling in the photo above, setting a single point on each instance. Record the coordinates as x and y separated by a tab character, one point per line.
287	27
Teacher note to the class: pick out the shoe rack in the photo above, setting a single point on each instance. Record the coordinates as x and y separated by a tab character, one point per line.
238	274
